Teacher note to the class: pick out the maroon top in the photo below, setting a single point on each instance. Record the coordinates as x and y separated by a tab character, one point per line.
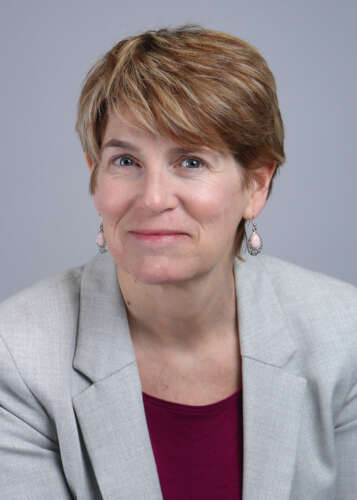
198	449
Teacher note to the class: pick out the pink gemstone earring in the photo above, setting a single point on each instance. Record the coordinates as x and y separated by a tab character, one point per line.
254	242
101	244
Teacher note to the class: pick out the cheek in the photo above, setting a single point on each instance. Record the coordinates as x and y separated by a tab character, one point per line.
109	200
221	204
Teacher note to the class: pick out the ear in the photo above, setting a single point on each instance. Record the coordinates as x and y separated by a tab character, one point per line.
89	161
259	190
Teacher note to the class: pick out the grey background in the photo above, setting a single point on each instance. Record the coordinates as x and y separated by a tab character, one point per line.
48	221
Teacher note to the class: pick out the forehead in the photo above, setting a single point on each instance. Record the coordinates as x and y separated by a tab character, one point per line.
121	122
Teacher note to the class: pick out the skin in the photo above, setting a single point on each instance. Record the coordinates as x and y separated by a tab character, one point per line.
180	295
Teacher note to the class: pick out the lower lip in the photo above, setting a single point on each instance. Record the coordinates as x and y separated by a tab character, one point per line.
159	238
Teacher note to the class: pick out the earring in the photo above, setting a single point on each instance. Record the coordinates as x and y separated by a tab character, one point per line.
101	244
254	242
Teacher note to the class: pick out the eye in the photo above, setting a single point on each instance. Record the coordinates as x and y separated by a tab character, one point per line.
193	163
124	161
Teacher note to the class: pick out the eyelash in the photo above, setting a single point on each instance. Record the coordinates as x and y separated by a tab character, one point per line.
203	164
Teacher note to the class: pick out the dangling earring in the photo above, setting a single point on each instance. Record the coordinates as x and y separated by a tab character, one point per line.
101	244
254	242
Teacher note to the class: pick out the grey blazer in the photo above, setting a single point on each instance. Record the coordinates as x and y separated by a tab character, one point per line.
72	420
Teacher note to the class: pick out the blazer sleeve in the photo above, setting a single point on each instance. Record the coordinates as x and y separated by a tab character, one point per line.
30	464
346	447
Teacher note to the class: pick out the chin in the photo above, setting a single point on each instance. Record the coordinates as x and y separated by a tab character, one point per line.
160	270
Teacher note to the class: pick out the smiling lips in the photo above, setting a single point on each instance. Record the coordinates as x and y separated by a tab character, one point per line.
157	232
157	235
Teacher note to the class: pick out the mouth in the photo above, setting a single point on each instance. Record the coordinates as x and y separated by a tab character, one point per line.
158	236
160	232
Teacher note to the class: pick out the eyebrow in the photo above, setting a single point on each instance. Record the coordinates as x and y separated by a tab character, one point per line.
116	143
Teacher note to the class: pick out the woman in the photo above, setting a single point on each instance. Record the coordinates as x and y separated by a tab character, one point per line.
169	366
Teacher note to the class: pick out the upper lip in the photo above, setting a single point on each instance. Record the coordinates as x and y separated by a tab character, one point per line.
157	231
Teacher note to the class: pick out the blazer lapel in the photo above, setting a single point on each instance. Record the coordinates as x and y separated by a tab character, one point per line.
272	396
110	409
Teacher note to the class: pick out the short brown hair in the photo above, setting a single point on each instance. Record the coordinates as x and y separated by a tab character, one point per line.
190	84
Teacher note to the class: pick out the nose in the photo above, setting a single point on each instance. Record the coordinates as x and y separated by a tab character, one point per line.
157	192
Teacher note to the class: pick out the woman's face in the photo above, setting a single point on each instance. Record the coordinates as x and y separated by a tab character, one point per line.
148	185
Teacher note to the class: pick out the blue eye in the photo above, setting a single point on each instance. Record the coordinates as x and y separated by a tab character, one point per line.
121	164
196	163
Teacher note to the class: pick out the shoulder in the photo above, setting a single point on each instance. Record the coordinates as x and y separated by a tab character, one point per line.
297	284
40	321
307	297
43	299
321	311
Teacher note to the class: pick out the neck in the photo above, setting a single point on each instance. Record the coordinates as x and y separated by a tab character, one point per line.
186	316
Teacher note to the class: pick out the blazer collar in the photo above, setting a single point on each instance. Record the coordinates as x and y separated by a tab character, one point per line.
111	412
104	343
